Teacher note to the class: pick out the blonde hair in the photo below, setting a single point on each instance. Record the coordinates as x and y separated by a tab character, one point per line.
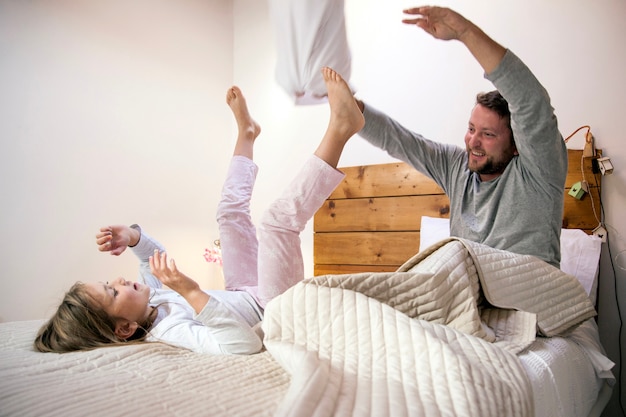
80	323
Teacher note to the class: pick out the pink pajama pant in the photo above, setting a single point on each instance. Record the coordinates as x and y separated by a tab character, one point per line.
270	265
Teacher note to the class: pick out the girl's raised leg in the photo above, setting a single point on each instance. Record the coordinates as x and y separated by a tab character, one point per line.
237	232
280	255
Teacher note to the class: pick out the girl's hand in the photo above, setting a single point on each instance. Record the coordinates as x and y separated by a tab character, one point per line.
169	275
115	239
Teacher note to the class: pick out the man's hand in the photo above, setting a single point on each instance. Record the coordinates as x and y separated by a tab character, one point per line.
116	239
442	23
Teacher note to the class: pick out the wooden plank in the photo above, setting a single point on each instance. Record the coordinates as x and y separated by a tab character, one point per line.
398	178
574	171
352	269
364	248
379	214
356	231
392	179
404	213
579	214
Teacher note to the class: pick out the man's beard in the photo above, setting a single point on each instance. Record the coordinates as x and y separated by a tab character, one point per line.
491	166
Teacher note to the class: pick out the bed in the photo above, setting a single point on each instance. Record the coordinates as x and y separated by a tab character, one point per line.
399	319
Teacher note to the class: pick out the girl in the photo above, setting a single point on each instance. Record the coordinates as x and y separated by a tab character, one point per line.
217	321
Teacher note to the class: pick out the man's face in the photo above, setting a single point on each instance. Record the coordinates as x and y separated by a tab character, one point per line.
488	143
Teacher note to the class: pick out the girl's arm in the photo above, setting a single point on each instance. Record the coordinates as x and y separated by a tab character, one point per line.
214	328
116	238
144	248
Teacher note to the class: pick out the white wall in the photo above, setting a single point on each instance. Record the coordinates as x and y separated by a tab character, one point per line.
430	86
110	112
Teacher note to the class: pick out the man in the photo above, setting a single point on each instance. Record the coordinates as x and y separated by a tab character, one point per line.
506	186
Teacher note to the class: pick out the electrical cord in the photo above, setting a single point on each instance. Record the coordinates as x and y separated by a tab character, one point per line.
588	142
587	136
601	222
593	205
617	303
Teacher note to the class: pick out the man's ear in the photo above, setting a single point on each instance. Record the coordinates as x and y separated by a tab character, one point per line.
125	329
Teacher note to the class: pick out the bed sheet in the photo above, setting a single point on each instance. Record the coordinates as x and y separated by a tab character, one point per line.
567	374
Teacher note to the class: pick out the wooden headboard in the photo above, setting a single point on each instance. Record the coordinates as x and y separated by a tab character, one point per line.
371	222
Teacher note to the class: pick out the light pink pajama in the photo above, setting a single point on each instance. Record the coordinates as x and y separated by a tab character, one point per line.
270	265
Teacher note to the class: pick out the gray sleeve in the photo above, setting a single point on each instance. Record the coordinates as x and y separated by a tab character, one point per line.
143	250
535	129
435	160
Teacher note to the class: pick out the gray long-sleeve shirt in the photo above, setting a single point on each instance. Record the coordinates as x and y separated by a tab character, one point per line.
520	211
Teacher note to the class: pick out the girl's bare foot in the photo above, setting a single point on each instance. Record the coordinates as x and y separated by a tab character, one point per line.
346	118
248	128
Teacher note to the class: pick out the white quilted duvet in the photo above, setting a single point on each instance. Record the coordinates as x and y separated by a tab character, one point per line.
420	342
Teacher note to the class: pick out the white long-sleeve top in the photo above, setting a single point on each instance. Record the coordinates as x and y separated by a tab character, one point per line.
224	326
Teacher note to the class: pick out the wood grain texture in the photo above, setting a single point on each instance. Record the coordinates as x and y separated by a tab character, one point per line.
371	222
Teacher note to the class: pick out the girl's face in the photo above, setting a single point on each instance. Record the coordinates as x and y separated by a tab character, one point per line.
123	299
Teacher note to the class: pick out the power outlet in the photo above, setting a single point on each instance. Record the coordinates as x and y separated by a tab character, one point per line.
600	231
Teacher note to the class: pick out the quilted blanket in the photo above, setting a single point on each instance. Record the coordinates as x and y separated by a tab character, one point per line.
149	379
437	337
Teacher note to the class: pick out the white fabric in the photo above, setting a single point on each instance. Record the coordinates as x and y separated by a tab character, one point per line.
433	230
580	256
520	282
309	35
225	324
567	374
193	384
150	379
580	252
411	342
373	360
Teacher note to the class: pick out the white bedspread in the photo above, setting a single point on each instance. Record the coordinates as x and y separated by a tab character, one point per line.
359	344
150	379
